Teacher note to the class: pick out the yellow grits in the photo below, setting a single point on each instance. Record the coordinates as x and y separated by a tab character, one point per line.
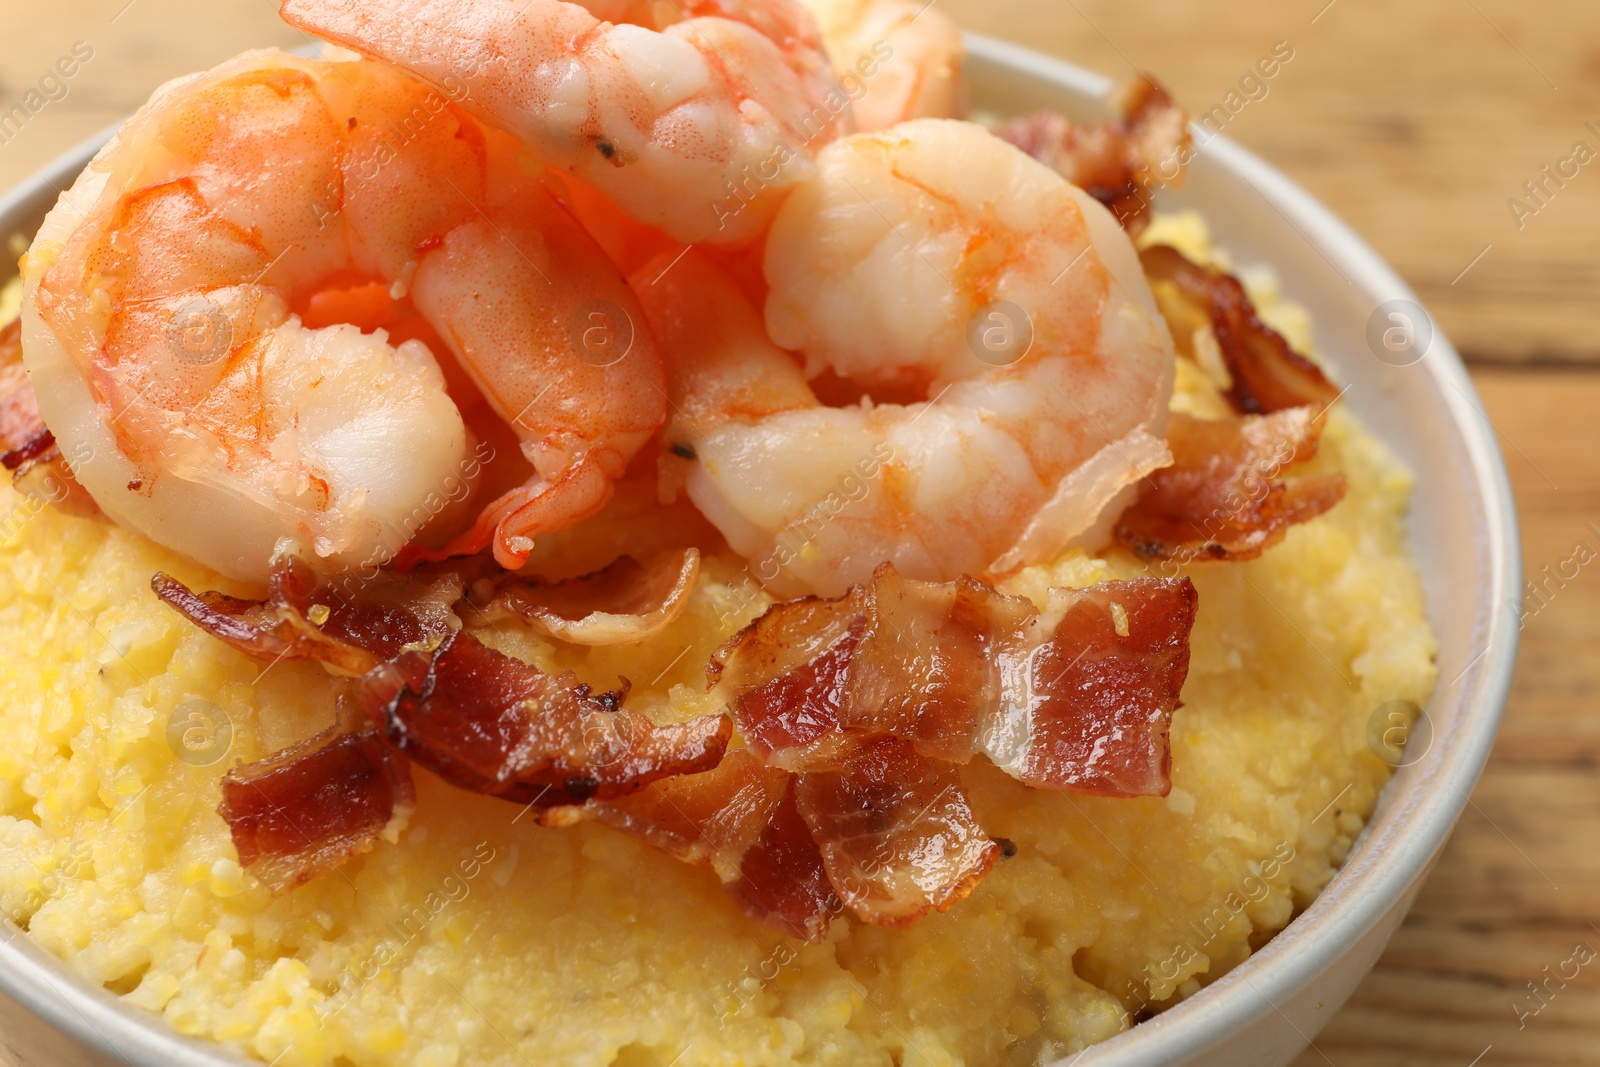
481	938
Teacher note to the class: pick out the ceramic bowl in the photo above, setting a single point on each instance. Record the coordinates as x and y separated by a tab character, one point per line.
1464	533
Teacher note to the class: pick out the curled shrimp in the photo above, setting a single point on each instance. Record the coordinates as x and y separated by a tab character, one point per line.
896	59
694	117
985	374
168	295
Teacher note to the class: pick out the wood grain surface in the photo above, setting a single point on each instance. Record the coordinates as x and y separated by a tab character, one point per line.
1417	122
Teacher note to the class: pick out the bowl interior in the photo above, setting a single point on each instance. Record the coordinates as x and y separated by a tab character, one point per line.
1462	527
1463	533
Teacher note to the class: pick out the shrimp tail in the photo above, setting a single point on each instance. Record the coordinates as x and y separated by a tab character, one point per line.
510	524
577	494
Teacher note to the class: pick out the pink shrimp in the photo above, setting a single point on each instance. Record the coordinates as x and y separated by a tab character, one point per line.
163	323
694	117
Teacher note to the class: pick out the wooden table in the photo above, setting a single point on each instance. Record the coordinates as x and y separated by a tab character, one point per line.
1417	123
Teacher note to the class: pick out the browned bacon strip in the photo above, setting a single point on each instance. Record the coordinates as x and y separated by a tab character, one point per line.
1117	161
787	671
956	669
897	835
1096	711
314	805
931	660
303	619
491	723
27	448
1226	496
874	696
24	440
742	820
1267	374
710	817
625	603
478	718
783	881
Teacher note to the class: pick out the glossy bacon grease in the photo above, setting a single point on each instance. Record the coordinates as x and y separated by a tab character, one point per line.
856	713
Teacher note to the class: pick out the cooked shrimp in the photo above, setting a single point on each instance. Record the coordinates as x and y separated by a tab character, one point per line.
163	329
694	117
915	269
896	59
719	362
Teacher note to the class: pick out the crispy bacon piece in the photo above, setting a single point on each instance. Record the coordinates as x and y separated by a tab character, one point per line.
1117	161
1226	496
711	817
358	632
24	440
1267	374
931	663
1077	698
873	697
783	880
897	835
741	819
493	724
1081	704
624	603
472	715
788	672
27	448
1094	713
478	718
312	806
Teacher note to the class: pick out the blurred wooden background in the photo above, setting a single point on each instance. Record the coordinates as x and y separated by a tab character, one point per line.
1416	122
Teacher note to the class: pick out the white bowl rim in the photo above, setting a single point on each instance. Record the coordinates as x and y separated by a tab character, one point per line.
1346	908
